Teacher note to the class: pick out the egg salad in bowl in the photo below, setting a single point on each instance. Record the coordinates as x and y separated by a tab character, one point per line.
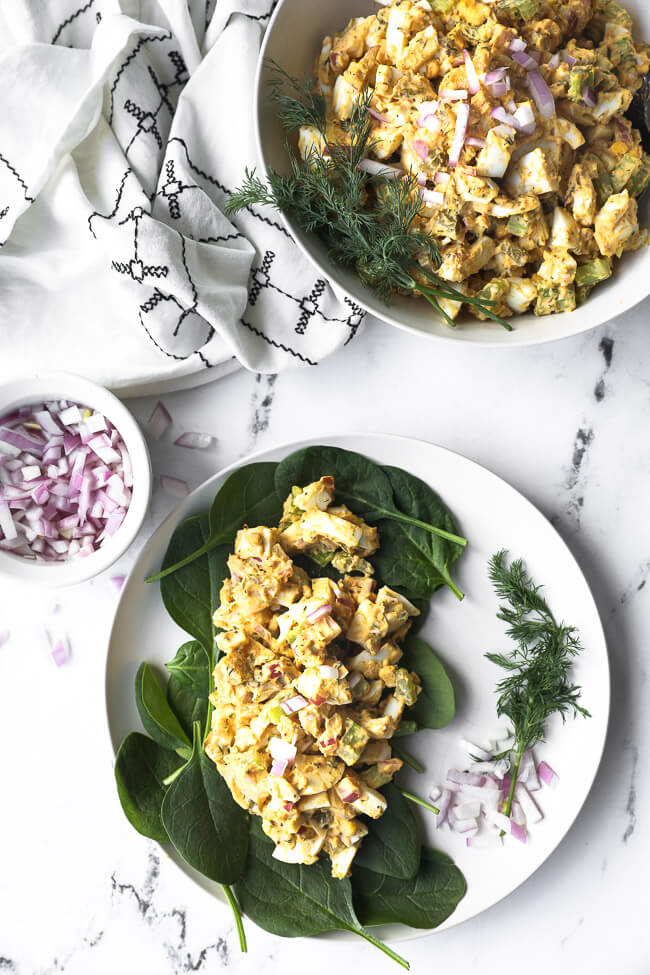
513	116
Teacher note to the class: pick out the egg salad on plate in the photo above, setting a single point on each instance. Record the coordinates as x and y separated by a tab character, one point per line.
309	688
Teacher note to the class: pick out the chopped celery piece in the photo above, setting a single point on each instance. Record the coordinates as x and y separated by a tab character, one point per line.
626	168
553	298
592	273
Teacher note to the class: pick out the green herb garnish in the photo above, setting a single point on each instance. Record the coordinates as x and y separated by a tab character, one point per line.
367	221
538	683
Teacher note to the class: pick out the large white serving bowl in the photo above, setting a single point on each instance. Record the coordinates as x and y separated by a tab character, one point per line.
293	40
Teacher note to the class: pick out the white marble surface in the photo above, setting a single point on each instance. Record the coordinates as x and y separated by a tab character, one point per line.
567	424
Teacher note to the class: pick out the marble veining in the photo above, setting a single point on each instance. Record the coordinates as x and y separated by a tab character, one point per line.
566	424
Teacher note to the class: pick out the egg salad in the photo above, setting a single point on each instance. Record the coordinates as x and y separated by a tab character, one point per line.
309	688
512	114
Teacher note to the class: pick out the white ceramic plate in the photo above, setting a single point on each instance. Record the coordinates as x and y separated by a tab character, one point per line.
492	515
293	39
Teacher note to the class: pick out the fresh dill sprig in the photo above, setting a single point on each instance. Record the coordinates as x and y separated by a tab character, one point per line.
367	221
538	682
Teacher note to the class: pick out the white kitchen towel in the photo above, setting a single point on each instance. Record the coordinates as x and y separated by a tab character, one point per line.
124	125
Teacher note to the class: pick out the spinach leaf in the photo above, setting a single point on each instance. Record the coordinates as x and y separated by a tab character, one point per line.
203	821
425	901
189	685
392	845
362	485
191	595
436	704
293	900
409	557
247	497
141	766
155	713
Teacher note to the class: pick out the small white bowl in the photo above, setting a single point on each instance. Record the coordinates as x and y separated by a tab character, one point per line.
42	386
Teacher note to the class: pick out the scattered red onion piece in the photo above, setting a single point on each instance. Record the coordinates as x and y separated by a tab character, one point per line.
195	441
547	775
517	831
174	486
60	651
569	59
118	581
475	140
542	94
554	62
497	74
498	89
159	421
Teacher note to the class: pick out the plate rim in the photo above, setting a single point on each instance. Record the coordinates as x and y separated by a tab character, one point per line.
396	933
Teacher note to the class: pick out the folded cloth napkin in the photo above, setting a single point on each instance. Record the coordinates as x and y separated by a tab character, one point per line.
124	126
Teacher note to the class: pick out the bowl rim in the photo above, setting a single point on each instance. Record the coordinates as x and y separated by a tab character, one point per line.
46	385
626	298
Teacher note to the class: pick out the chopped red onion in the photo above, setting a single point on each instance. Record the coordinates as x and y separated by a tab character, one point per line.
498	89
473	84
542	94
45	498
465	778
525	119
517	831
569	59
159	421
174	486
500	114
195	441
443	808
294	704
498	74
516	44
60	651
118	581
375	168
279	767
378	115
282	750
589	98
319	613
547	775
554	62
462	119
525	60
421	148
474	140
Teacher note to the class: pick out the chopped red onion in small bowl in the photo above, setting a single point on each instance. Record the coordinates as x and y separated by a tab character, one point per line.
75	479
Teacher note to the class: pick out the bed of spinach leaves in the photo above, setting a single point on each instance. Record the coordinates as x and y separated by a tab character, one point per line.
172	792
